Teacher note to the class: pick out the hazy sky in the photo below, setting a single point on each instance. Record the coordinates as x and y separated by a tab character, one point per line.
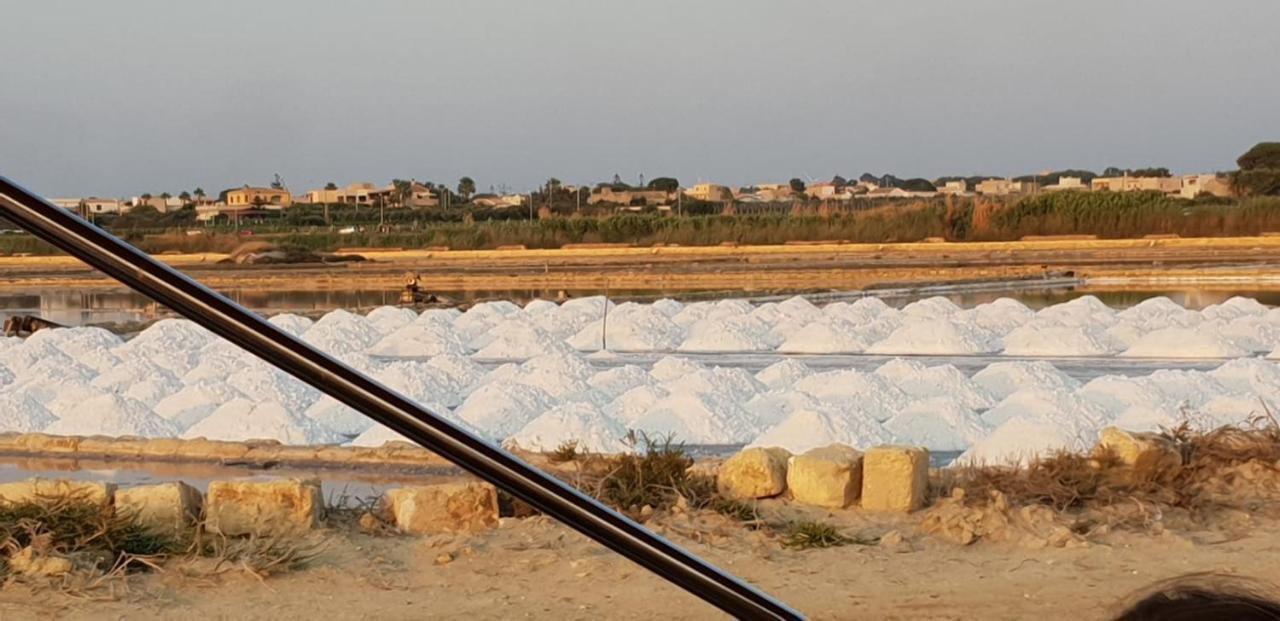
123	97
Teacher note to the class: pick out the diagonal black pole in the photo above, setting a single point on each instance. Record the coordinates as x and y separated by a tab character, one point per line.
227	319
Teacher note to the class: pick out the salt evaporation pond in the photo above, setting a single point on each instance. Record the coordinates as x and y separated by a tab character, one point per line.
973	380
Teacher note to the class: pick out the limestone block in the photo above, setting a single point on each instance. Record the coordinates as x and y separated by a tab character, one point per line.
830	476
28	563
263	508
1148	456
754	473
442	508
167	508
895	478
34	490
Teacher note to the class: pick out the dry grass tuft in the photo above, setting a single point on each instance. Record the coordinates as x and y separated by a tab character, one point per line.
565	453
808	535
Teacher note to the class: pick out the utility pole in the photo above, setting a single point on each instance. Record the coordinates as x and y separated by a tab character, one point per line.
531	206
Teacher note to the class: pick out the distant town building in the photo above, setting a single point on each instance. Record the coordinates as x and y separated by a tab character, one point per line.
1005	187
1213	185
1065	184
1167	185
710	192
957	187
606	194
494	201
271	198
94	205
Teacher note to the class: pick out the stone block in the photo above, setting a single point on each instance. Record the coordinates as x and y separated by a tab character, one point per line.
1147	456
830	476
263	508
96	493
443	508
754	473
166	508
28	562
895	478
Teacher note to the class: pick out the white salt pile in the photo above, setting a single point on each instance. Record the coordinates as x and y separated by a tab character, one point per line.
872	395
630	327
420	339
613	382
580	424
501	408
921	382
939	423
517	339
195	401
1002	379
706	418
241	419
296	325
784	373
730	333
1198	342
112	415
937	336
824	336
809	429
22	414
170	343
388	319
342	332
274	386
1036	339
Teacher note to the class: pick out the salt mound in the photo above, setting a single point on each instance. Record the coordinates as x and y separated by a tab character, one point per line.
783	374
920	382
808	429
1250	333
733	333
865	310
869	393
518	339
421	382
1059	406
630	328
1149	417
63	399
1159	306
635	403
152	390
1025	437
1082	311
935	307
112	415
618	380
194	402
296	325
274	386
501	408
719	310
1000	316
89	346
1117	393
420	339
460	371
241	419
668	307
219	360
342	332
131	371
174	344
538	306
1234	410
565	321
1002	379
1235	308
825	336
1191	388
6	376
674	367
24	356
388	319
706	418
938	337
1037	339
773	407
19	413
732	383
1249	375
939	424
590	429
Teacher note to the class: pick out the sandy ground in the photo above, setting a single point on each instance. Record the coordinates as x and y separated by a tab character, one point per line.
534	568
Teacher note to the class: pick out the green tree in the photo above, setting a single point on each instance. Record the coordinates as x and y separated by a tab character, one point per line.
466	187
331	186
918	185
198	193
1263	155
401	190
166	195
665	184
796	184
185	196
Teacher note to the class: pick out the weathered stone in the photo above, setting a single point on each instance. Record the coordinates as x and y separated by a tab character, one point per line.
895	478
167	508
443	508
754	473
35	490
1147	456
28	563
830	476
44	443
263	508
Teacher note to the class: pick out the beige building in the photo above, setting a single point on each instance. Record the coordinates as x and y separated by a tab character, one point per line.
1213	185
1066	183
94	205
710	192
957	187
270	198
1005	187
1167	185
606	194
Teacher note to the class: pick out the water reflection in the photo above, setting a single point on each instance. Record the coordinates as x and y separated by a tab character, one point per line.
106	305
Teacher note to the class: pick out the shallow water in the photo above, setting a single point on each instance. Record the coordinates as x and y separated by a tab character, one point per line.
89	306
